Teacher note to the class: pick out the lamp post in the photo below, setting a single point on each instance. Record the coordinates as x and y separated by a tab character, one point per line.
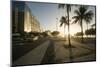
56	24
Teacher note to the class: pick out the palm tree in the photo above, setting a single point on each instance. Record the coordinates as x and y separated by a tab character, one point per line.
63	22
67	7
82	14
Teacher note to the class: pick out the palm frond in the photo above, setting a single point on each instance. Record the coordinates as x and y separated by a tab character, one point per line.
88	16
82	10
76	19
61	24
63	20
93	25
77	12
83	14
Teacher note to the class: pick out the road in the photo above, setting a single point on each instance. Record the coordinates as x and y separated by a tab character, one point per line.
54	50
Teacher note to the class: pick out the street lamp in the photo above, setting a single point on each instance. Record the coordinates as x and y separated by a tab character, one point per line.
56	24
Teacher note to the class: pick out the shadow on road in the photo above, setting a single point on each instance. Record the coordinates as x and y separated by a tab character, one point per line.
20	50
49	57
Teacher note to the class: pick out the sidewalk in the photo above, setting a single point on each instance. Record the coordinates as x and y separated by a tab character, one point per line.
84	45
80	52
35	56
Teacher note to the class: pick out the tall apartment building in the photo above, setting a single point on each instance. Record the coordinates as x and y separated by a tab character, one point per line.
27	19
22	19
35	25
18	17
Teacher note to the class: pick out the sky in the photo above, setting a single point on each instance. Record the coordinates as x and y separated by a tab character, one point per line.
46	14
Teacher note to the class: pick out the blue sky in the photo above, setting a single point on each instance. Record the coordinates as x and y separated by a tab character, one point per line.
46	14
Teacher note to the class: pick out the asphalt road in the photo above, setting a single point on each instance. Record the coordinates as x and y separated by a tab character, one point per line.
54	50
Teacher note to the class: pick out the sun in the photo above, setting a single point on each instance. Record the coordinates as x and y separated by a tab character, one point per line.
73	30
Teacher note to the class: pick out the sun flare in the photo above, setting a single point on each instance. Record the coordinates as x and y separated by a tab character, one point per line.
73	29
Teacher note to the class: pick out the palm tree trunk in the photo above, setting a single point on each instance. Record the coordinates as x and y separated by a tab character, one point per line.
82	30
69	31
64	30
70	49
87	29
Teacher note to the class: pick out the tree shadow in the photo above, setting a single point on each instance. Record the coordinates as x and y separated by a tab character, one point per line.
70	47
